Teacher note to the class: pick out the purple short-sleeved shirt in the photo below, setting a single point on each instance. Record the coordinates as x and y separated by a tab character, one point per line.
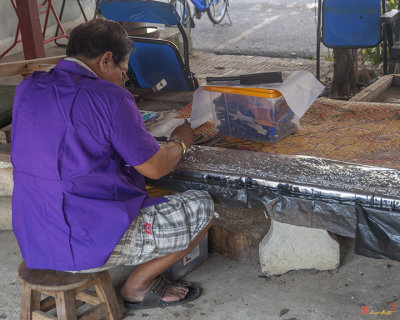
71	132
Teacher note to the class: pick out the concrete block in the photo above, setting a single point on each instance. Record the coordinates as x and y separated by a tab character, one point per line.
6	181
287	247
5	213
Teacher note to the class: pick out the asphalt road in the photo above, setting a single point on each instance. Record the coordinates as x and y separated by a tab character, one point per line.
277	28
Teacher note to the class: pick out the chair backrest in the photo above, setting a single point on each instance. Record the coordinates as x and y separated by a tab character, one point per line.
351	23
154	60
140	11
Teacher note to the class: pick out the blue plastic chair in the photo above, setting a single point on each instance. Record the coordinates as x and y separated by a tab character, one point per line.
154	59
351	23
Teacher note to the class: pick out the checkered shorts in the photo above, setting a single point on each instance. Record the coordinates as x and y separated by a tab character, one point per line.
162	229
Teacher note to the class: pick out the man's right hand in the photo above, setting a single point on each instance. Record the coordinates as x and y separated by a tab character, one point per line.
169	154
185	133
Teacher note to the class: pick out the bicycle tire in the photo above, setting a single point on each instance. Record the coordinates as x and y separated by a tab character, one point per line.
179	7
216	12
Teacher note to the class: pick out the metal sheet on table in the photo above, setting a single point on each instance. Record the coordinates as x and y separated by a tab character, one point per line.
300	190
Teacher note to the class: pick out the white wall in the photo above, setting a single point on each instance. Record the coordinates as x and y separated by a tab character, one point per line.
72	16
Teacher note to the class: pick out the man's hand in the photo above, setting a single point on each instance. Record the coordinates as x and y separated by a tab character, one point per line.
169	154
185	133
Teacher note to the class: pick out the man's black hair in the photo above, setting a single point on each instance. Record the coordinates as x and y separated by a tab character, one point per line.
98	36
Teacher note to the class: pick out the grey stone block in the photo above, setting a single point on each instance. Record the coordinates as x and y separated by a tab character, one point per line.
6	181
287	247
5	213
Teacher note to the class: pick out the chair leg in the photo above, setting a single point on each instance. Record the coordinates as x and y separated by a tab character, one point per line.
65	304
30	301
106	293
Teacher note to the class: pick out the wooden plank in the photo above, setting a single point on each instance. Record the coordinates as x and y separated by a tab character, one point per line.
40	315
26	66
374	90
31	30
96	312
65	302
106	293
88	297
39	66
30	301
47	304
391	100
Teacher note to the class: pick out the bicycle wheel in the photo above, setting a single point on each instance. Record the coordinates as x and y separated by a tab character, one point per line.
217	10
183	12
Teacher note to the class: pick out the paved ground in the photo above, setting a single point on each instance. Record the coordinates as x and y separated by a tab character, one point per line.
208	64
283	28
232	291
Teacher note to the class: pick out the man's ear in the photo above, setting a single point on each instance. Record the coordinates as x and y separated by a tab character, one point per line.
106	61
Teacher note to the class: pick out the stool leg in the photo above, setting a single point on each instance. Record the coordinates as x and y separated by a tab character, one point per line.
65	304
106	293
30	301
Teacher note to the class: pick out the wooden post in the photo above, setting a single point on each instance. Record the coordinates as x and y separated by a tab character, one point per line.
31	31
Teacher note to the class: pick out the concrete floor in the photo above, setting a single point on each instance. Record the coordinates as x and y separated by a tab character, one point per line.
234	291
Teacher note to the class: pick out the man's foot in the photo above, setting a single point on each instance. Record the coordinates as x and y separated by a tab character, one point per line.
159	293
172	293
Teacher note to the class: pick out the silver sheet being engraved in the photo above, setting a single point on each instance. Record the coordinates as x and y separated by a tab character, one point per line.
301	190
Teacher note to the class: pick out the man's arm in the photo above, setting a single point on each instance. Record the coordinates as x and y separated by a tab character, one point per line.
165	160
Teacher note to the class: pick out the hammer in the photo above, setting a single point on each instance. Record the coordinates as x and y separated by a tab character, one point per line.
157	87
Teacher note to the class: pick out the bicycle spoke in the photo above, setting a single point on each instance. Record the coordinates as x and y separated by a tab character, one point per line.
183	11
216	10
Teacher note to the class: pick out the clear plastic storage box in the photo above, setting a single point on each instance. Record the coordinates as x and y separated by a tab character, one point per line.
251	113
192	260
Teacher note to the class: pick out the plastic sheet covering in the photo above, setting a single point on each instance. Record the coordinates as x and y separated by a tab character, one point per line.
378	232
300	190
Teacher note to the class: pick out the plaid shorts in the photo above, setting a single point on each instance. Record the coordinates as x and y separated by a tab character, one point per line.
162	229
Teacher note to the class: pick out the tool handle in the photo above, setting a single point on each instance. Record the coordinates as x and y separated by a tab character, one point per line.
210	79
259	78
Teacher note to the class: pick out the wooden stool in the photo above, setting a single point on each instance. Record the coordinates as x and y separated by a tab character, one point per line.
66	292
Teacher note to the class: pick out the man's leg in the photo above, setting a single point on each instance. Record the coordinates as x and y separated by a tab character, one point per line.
141	279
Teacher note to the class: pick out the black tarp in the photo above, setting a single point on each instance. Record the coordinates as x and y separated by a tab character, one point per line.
378	232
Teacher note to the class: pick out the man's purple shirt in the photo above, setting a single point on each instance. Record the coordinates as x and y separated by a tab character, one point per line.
71	133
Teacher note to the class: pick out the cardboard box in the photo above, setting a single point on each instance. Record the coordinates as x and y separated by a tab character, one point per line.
192	260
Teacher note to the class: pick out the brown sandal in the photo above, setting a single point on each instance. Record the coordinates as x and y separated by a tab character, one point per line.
153	297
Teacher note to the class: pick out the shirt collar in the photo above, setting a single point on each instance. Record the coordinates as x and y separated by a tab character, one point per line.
72	66
81	63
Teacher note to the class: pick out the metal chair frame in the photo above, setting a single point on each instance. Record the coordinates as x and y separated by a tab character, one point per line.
319	29
49	8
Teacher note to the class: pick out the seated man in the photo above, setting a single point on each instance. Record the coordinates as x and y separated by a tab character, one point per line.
73	128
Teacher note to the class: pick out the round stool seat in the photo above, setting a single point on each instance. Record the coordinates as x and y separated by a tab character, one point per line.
66	292
51	280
